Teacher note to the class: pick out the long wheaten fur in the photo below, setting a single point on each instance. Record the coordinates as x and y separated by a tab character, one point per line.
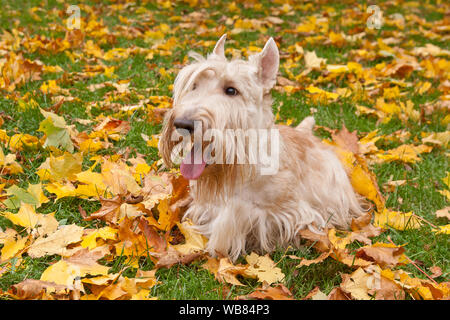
235	207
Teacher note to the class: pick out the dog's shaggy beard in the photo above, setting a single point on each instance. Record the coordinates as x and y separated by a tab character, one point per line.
229	155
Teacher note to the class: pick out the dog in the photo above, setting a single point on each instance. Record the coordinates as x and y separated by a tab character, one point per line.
237	206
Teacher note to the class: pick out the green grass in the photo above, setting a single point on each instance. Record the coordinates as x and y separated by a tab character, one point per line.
193	282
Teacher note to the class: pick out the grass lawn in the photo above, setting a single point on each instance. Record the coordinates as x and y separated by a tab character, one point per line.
122	63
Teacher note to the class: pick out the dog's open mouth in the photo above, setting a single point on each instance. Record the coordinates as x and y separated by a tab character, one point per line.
192	165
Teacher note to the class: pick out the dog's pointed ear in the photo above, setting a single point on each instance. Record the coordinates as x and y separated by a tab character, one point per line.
269	60
219	49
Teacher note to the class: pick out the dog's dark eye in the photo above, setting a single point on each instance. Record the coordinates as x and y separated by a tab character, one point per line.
194	86
230	91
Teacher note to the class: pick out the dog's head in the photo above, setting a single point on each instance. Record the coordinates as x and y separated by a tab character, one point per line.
212	96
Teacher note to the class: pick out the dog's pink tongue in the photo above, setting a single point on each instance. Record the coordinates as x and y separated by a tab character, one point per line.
191	170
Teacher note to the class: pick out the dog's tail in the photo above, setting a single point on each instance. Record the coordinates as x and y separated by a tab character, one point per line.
307	124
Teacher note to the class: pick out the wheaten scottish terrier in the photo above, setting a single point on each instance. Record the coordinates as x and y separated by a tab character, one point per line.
254	184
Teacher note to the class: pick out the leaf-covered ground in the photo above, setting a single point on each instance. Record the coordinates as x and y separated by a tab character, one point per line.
88	212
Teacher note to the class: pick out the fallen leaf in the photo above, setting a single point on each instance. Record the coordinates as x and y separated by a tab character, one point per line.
56	242
346	140
263	268
443	213
13	244
66	273
109	211
436	271
396	220
171	257
312	61
195	242
26	217
31	289
384	254
404	153
338	294
224	271
279	292
443	229
371	285
61	168
319	259
90	241
56	131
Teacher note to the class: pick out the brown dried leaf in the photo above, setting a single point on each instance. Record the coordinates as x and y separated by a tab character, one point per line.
322	243
224	271
155	241
171	257
346	140
109	210
338	294
436	271
30	289
384	254
280	292
443	213
320	258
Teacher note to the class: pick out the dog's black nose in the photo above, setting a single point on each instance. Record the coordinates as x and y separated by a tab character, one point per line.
184	124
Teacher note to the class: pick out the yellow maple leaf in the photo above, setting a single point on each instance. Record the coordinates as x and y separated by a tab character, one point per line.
65	273
60	168
371	283
308	26
19	141
195	242
109	71
26	217
56	242
153	142
92	183
365	185
422	87
391	93
50	87
119	178
337	68
443	229
445	193
322	95
8	164
437	138
446	179
338	242
357	285
396	220
418	288
167	218
62	190
36	191
90	145
405	153
367	143
388	109
90	241
93	49
361	178
143	294
263	268
13	243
